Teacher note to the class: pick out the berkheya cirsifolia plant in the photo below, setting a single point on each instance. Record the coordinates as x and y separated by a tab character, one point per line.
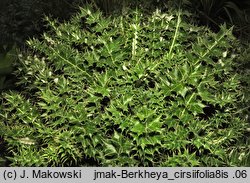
133	90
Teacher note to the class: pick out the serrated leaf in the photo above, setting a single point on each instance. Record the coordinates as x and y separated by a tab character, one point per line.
138	128
127	99
183	91
110	149
205	95
103	78
116	135
198	143
196	108
155	125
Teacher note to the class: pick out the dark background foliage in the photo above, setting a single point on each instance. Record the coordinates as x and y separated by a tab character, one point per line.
213	13
21	19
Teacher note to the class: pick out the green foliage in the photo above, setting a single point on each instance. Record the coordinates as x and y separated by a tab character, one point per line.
244	70
133	90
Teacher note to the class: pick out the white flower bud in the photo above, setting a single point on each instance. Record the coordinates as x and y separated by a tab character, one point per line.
56	80
224	54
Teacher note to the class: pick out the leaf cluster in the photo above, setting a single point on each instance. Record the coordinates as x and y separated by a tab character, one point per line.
133	90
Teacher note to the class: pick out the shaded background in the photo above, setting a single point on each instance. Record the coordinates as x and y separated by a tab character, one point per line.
21	19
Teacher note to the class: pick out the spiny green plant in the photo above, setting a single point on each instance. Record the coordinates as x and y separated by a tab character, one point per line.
243	148
133	90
